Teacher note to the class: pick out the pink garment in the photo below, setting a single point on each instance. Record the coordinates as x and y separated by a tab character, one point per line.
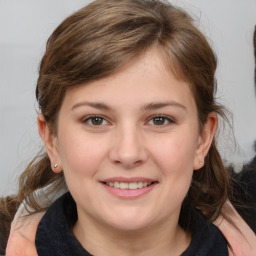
242	241
21	241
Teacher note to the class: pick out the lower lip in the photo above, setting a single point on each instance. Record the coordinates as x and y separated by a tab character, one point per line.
129	193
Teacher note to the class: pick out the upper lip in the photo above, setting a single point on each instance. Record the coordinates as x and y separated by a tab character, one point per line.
128	180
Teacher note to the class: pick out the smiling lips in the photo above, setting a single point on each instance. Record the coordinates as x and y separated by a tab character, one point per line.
131	189
130	185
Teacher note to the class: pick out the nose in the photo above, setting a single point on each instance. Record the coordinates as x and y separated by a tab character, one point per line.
128	149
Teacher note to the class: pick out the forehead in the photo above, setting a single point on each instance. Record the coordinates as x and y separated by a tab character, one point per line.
145	79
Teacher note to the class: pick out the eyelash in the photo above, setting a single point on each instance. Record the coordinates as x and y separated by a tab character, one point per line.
165	118
88	120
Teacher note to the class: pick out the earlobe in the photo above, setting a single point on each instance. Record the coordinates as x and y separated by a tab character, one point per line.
205	140
50	143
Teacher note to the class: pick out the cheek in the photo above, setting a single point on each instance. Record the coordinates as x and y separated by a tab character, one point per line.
81	154
175	153
173	157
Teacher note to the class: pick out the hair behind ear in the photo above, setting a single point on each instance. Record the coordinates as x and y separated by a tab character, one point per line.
37	175
8	208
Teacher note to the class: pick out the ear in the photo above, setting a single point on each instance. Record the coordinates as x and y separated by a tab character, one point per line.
205	140
50	143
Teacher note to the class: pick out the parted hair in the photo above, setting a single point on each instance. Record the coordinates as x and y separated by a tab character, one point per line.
98	41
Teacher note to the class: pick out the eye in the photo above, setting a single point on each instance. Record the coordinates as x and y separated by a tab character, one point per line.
95	121
160	120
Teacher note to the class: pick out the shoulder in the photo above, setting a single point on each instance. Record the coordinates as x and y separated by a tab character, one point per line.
241	238
244	191
207	239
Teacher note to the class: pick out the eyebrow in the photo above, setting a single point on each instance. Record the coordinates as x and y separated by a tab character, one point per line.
157	105
146	107
97	105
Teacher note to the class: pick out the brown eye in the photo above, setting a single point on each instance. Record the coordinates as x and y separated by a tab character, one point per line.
95	121
160	121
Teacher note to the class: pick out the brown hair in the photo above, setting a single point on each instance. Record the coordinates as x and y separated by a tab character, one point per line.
99	40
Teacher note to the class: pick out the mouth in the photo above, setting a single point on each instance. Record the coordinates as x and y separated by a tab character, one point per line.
129	188
129	185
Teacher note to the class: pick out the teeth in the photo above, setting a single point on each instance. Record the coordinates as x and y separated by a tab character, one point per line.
130	185
124	185
140	184
133	185
116	184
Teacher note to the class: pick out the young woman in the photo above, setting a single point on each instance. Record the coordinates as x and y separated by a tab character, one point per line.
128	116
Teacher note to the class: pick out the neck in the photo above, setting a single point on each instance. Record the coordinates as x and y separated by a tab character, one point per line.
165	238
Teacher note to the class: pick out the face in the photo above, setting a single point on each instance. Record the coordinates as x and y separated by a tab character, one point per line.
128	145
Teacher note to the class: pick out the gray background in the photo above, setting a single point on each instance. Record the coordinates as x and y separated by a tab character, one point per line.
25	26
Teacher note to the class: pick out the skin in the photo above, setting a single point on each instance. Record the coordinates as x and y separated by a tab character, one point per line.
152	137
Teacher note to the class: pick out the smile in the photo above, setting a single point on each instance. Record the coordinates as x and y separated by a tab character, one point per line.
130	185
129	188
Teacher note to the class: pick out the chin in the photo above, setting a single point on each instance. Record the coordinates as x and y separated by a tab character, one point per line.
130	221
130	227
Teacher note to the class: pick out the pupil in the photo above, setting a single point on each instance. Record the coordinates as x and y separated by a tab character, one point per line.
159	120
97	120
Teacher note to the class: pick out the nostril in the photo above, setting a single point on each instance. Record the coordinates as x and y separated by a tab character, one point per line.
127	162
